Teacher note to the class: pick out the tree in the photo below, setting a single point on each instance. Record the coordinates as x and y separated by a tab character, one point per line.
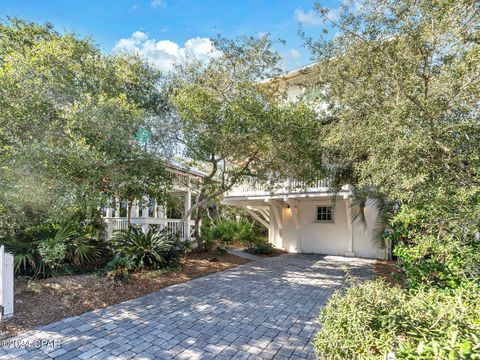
68	119
402	82
229	118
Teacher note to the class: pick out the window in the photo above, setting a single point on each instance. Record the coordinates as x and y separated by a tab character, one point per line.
324	214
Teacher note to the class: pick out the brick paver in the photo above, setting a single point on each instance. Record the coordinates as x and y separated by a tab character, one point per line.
266	309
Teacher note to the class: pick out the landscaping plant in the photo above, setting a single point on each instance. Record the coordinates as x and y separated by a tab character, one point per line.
55	249
154	249
119	269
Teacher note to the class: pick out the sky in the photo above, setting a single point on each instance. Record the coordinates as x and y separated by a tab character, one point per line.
164	30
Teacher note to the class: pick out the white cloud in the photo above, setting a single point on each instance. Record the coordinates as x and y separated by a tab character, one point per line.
312	18
291	59
309	18
165	53
158	3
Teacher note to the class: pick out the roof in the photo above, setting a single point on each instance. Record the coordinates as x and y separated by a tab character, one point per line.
177	165
292	73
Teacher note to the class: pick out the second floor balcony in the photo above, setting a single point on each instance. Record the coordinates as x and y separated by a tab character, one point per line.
284	187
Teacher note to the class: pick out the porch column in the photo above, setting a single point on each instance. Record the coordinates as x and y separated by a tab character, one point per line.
135	210
349	219
275	223
117	206
146	208
188	205
161	210
296	221
109	215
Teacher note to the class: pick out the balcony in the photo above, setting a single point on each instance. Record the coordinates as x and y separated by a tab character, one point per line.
287	187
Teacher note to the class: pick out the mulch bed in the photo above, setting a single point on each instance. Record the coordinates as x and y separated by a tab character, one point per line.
386	269
40	302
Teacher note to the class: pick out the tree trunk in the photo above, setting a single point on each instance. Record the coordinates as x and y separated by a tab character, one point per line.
196	231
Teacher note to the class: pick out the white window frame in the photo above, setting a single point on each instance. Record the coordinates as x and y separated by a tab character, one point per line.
332	209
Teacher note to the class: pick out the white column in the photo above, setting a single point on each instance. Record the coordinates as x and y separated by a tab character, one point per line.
109	212
135	209
161	211
348	209
117	206
146	207
296	221
188	205
6	283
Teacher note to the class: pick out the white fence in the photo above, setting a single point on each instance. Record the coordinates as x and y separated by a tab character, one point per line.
115	224
6	284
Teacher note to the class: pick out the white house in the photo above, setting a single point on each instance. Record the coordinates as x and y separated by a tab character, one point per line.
307	218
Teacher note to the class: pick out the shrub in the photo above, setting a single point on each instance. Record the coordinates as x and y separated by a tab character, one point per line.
53	249
155	249
263	248
226	232
434	247
119	269
372	319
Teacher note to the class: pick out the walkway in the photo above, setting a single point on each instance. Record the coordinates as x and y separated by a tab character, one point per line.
262	310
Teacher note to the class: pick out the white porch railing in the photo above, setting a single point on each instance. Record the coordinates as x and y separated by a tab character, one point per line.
6	284
115	224
287	186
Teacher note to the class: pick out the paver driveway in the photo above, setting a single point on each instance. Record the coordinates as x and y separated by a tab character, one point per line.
262	310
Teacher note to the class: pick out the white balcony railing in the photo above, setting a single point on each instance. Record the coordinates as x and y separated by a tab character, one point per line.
146	223
252	187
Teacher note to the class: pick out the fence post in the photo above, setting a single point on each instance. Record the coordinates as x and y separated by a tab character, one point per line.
6	283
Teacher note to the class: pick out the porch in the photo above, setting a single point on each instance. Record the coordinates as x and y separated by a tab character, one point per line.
148	213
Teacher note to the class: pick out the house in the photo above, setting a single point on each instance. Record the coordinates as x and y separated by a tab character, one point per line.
307	217
147	213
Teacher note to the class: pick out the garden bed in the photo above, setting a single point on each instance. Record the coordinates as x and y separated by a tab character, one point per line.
40	302
387	269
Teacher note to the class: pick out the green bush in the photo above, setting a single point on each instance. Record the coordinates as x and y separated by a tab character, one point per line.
372	319
263	248
225	232
155	249
119	269
434	247
54	249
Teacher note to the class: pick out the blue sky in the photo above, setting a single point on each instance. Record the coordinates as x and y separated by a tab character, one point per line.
161	29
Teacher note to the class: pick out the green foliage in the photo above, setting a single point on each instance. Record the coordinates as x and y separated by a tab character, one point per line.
119	268
263	248
224	231
155	249
397	92
54	249
372	319
229	122
68	118
429	253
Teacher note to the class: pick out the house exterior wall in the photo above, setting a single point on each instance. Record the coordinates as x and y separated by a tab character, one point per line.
322	238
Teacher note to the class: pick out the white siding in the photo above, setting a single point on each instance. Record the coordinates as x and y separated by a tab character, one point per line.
324	238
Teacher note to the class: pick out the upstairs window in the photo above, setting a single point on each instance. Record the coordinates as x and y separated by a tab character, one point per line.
324	214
